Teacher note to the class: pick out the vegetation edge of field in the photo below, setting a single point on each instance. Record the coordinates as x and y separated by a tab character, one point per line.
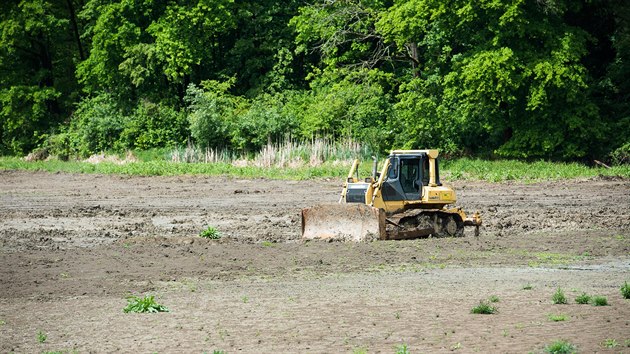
451	170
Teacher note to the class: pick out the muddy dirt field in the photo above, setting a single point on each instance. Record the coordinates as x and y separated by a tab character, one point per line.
73	247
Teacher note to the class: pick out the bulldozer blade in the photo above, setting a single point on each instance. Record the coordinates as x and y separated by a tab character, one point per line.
343	222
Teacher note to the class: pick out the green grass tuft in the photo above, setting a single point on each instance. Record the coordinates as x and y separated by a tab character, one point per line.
558	297
557	318
560	347
494	299
210	232
625	290
528	286
599	301
583	299
402	349
483	308
142	305
610	343
41	336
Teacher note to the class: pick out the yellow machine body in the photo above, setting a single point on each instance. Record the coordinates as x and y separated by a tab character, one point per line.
405	200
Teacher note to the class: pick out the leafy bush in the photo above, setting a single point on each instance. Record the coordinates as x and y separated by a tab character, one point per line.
621	155
97	124
583	299
268	120
210	232
25	116
348	105
625	290
144	304
558	297
154	125
212	111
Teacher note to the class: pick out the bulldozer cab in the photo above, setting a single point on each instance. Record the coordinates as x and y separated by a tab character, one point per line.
406	176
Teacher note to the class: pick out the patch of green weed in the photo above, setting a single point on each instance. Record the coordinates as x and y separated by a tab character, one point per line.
599	301
610	343
583	299
210	232
528	286
625	290
559	297
41	336
359	350
483	308
560	347
143	304
557	318
402	349
494	299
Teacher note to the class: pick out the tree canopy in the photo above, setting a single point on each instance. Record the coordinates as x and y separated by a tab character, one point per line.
509	78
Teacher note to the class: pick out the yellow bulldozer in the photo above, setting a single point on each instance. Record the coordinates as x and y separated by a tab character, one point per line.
406	200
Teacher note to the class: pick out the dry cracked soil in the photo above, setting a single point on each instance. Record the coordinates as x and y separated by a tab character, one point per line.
73	247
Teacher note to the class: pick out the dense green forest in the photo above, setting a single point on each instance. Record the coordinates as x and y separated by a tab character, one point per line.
524	79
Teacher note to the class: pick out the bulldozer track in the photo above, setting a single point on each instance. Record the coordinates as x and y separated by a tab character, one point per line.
418	223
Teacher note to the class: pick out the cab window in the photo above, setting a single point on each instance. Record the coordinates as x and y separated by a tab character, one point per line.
392	173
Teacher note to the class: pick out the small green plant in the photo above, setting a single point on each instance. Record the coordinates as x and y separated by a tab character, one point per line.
600	301
41	336
359	351
583	299
610	343
494	298
483	308
245	299
558	297
267	244
625	290
218	352
402	349
144	304
3	322
560	347
528	286
210	232
397	315
557	318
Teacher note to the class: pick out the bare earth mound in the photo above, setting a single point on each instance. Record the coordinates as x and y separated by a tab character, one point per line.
72	247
